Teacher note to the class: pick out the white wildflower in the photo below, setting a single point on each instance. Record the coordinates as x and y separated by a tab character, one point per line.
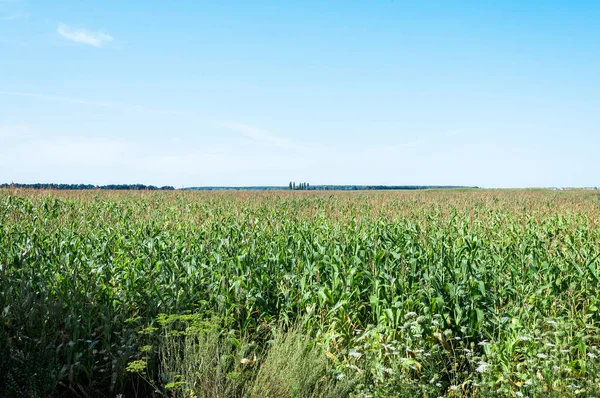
246	361
482	367
591	356
541	356
354	353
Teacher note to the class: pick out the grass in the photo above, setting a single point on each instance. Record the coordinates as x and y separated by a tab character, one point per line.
209	294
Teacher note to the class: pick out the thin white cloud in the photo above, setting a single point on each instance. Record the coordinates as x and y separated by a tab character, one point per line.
83	36
45	157
76	152
57	98
59	150
49	157
402	147
13	17
261	135
14	132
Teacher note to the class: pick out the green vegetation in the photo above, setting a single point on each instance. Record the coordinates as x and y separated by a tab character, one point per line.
114	187
301	294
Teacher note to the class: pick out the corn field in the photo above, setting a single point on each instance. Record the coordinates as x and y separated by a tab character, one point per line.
299	294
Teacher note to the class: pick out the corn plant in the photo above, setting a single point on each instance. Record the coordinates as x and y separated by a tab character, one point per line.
421	293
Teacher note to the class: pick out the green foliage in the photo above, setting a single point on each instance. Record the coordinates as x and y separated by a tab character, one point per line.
425	293
198	359
29	365
297	367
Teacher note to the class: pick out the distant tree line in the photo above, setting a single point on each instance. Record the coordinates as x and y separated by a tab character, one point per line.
295	186
120	187
387	187
302	186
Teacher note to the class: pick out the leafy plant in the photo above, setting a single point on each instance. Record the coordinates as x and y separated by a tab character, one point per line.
457	293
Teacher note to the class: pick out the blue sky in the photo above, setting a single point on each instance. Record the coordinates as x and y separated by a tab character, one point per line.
189	93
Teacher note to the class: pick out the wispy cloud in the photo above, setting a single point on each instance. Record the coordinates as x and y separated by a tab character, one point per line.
46	149
119	105
79	152
261	135
403	146
15	16
11	132
83	36
56	98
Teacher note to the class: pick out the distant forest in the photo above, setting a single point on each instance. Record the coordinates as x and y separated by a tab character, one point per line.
292	186
120	187
307	187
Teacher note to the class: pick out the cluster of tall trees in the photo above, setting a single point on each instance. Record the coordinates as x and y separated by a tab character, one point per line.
122	187
301	186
